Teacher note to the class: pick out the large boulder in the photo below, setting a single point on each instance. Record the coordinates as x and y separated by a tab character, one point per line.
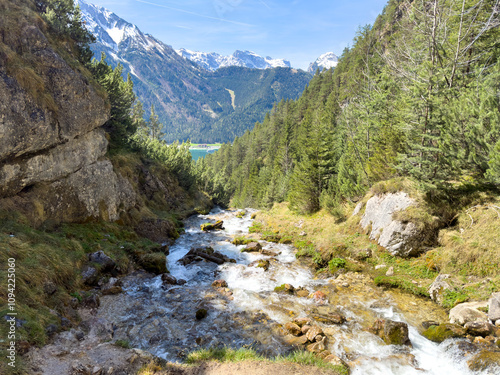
494	307
399	238
468	312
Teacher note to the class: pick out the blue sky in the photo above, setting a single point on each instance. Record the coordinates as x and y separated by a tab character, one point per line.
296	30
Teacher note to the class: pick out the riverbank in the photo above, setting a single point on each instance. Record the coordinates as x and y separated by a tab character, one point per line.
468	250
221	295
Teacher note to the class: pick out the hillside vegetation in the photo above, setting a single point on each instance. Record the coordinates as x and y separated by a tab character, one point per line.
415	96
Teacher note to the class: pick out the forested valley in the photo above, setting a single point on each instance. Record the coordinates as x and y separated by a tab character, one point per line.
417	95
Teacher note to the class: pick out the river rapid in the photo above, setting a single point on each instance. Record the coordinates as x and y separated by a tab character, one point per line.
249	313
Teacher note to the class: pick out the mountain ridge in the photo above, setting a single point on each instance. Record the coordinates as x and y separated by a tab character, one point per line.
192	102
212	61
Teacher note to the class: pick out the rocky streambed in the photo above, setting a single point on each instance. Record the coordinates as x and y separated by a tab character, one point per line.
259	296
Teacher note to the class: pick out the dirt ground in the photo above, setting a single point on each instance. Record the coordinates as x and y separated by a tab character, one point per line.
246	368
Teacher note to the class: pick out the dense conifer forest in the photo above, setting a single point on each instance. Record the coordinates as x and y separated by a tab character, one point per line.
417	95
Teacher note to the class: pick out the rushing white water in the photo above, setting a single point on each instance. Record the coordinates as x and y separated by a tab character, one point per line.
162	320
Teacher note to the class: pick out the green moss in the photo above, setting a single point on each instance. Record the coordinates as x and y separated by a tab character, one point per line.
155	263
241	241
123	344
400	283
485	360
335	264
256	227
443	332
286	240
271	237
451	298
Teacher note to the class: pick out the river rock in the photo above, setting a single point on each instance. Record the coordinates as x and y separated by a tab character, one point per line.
305	329
392	332
168	279
104	261
438	287
295	340
293	328
320	297
439	333
302	321
260	263
219	225
207	254
313	332
396	333
330	318
479	328
485	360
319	346
468	312
252	247
285	288
302	292
399	238
494	307
268	253
201	314
219	283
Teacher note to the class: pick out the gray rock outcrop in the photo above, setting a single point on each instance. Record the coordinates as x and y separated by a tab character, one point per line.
494	307
399	238
52	150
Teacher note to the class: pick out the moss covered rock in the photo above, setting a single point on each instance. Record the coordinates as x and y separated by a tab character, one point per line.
219	225
485	360
444	331
285	288
155	263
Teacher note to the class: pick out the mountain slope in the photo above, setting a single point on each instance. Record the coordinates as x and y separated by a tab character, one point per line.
213	61
191	102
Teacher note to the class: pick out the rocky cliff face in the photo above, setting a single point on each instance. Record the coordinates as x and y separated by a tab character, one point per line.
52	152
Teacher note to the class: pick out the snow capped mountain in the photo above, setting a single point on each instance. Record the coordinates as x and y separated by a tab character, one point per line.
192	102
114	33
213	61
325	61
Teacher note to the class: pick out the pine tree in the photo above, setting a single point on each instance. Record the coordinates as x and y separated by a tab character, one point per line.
155	126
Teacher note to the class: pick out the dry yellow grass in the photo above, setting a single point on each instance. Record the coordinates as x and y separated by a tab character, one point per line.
470	250
473	246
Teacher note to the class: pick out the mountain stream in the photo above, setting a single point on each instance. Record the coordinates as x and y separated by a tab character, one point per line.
249	313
